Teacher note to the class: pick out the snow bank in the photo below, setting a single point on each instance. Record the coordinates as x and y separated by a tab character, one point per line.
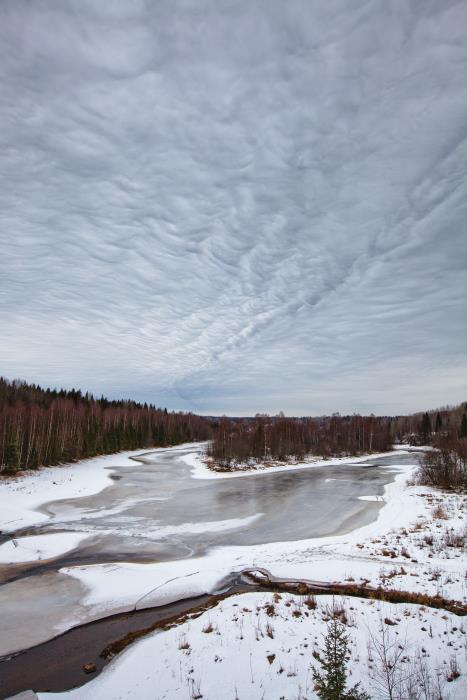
38	547
126	585
21	496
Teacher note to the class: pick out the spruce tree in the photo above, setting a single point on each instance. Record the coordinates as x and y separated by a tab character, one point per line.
330	682
463	428
425	428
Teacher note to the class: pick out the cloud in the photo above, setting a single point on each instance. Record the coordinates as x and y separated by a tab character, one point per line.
236	206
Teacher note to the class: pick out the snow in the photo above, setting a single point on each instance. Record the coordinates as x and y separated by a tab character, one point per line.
358	555
415	544
21	496
204	526
200	465
260	645
38	547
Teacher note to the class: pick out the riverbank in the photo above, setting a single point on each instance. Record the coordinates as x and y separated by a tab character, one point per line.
369	553
204	467
58	664
23	494
262	645
414	544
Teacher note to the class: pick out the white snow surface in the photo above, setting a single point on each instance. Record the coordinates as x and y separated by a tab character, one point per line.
260	645
38	547
21	496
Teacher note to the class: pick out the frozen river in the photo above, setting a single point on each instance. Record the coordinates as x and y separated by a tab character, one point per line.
154	511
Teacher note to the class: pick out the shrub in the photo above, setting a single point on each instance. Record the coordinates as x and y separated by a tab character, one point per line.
445	467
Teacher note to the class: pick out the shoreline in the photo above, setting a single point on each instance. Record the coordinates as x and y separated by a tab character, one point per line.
160	583
331	558
57	665
329	561
22	496
200	468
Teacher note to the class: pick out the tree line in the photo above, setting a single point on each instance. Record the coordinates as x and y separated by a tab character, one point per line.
40	427
280	438
446	430
239	440
448	422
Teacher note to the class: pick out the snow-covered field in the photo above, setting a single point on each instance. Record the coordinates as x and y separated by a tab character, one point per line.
260	645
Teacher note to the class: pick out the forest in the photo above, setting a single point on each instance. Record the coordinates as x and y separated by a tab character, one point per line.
40	427
238	441
279	438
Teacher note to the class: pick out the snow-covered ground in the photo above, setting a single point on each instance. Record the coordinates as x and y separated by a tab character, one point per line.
38	547
260	645
21	496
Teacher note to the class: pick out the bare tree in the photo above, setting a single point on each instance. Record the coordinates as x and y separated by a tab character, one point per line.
387	669
394	677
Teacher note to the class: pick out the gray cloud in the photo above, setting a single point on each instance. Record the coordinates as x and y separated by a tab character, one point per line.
236	206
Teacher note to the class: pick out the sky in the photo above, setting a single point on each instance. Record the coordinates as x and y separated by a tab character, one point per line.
236	206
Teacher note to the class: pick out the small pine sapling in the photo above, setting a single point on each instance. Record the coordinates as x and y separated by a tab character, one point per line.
331	680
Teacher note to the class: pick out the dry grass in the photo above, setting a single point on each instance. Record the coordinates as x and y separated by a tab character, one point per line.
183	643
363	591
439	513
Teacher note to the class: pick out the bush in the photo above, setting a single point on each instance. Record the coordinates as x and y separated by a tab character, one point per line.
446	467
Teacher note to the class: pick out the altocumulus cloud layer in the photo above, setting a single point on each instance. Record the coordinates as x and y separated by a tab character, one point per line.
236	205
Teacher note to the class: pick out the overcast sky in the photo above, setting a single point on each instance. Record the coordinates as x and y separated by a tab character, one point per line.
236	206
